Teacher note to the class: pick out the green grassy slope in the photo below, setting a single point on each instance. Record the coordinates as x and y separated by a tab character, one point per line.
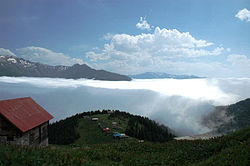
91	134
107	120
233	149
80	129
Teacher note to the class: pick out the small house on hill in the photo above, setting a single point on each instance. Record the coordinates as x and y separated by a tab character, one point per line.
94	119
23	122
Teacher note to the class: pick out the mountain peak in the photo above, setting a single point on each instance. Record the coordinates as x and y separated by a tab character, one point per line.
14	66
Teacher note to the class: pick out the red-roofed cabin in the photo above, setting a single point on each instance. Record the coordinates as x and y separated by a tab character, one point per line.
23	122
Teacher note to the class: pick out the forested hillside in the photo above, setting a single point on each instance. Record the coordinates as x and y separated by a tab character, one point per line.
240	113
64	131
144	128
67	131
226	119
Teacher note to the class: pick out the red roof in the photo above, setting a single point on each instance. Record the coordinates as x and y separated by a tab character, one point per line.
107	129
24	113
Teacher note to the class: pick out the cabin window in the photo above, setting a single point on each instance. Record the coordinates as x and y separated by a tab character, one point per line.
10	138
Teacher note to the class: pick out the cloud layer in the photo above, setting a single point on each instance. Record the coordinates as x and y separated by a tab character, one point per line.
46	56
179	104
42	55
198	89
6	52
243	15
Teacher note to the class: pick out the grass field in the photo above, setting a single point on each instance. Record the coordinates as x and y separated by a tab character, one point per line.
92	134
106	120
230	150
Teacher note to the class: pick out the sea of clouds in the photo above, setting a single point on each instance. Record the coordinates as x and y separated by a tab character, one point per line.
179	104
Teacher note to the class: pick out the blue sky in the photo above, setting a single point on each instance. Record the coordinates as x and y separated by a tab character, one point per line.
206	38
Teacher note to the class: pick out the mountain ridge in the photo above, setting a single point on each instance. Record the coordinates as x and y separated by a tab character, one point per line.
159	75
15	66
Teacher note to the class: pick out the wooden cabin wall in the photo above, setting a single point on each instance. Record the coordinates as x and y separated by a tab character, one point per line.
9	134
6	128
39	135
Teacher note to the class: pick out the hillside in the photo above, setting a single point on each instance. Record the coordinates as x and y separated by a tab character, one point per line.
226	119
14	66
230	150
80	129
156	75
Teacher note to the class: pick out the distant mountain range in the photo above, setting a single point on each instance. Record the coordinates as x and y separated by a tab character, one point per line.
226	119
14	66
157	75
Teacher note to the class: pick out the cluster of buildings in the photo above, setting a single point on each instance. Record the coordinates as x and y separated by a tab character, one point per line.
108	131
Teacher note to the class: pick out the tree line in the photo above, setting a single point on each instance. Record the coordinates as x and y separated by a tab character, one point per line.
64	132
144	128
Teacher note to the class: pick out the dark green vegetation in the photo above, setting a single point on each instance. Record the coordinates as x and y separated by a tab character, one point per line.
226	119
58	131
64	131
79	129
240	113
13	66
230	150
144	128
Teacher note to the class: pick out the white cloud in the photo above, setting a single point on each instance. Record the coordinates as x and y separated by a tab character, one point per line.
95	48
95	56
243	14
4	51
174	37
46	56
240	65
143	24
239	60
108	36
156	51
